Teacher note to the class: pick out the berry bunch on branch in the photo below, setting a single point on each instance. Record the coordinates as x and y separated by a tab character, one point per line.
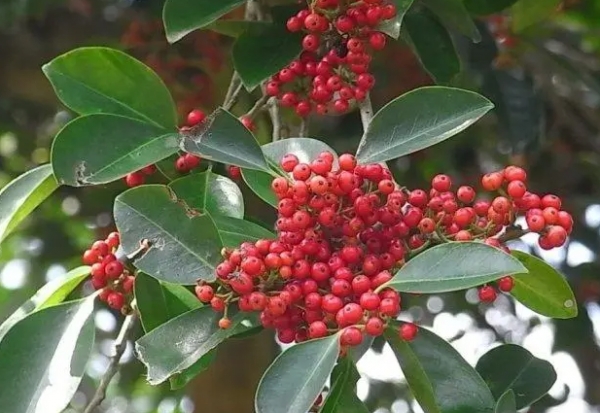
344	229
333	70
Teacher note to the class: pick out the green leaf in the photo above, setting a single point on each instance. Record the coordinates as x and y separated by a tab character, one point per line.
261	51
432	44
544	290
184	244
181	17
506	403
454	14
408	124
103	80
223	138
439	378
234	28
234	231
342	397
487	7
101	148
158	302
454	266
392	27
179	343
180	380
306	149
511	367
52	293
22	195
44	356
297	376
210	193
526	13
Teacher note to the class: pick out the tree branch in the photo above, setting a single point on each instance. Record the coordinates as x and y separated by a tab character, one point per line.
303	128
113	366
260	103
275	118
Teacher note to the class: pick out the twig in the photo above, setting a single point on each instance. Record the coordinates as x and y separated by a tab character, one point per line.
113	367
260	103
234	97
303	128
275	118
235	80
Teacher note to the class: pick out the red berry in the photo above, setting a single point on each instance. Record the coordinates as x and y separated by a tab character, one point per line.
441	183
506	284
551	201
205	293
370	301
487	294
217	304
195	117
248	123
234	172
224	323
114	269
90	257
516	189
514	173
317	329
374	326
536	223
351	336
466	194
492	181
408	331
115	300
557	236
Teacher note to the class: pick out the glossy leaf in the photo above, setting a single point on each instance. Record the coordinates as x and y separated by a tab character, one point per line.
44	358
544	290
297	376
223	138
234	231
101	148
210	192
454	266
432	44
487	7
182	17
158	302
196	332
184	244
103	80
306	149
511	367
506	403
392	27
52	293
419	119
342	396
526	13
454	14
21	196
180	380
439	378
263	50
234	28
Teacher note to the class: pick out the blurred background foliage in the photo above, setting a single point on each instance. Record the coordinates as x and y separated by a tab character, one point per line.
544	80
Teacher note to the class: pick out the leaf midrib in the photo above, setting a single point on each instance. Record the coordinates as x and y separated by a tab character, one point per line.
313	372
111	164
426	131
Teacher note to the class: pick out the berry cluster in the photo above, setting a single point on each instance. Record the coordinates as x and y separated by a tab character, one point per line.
334	67
342	233
108	273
